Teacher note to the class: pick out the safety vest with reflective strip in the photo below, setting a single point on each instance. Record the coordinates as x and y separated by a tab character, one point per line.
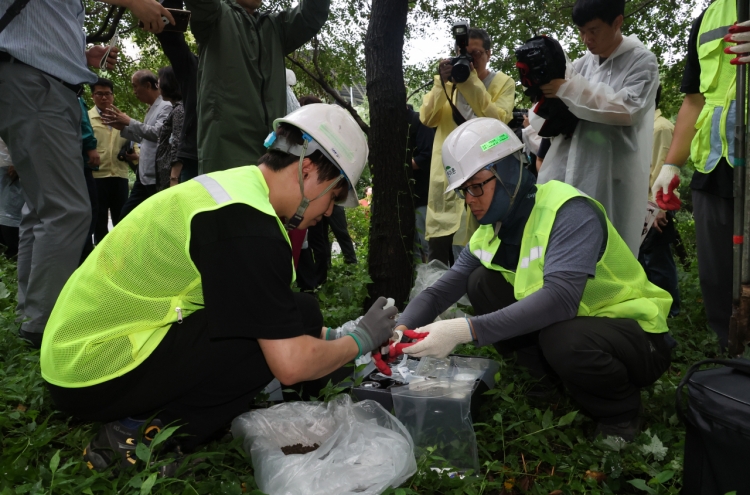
619	288
116	308
714	139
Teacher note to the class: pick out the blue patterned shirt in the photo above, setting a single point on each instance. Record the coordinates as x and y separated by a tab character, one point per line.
48	35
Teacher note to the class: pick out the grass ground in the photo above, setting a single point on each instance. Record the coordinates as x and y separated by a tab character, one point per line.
523	447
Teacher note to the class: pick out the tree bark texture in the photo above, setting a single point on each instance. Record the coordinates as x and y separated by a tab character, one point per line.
392	223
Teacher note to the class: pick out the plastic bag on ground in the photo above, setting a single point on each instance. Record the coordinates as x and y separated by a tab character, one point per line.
428	274
363	449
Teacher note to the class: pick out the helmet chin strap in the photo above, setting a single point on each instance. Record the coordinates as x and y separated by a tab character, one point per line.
296	220
499	224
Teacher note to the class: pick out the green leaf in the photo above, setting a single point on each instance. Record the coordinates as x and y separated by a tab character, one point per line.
662	477
148	484
55	461
163	435
567	419
547	419
400	491
4	293
88	491
142	452
641	485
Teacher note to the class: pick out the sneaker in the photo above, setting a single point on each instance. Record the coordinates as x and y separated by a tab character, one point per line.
116	442
627	430
34	340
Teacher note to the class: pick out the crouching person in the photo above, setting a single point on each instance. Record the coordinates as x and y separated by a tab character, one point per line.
185	311
550	280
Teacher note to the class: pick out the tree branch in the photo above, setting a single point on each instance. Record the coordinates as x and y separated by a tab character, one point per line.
318	78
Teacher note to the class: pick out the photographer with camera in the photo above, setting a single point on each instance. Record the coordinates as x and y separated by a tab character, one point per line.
464	89
611	89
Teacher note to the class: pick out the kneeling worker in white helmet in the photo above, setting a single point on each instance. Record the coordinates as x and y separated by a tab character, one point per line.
550	280
185	311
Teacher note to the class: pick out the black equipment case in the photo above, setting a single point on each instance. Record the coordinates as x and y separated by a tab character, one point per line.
717	419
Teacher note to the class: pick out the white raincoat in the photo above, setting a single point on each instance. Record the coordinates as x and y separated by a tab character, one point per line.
609	154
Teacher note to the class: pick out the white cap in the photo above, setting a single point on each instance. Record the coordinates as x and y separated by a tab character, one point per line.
338	136
473	146
291	77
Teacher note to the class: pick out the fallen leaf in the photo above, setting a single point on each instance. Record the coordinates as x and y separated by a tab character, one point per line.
21	408
556	492
598	476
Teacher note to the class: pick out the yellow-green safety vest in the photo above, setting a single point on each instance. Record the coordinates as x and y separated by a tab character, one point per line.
116	308
715	137
619	288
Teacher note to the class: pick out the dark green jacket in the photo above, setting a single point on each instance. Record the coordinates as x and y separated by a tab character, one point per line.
241	75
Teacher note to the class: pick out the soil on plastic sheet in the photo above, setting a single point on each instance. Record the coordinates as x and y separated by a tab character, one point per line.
298	448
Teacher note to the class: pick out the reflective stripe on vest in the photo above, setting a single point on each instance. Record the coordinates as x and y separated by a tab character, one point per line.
215	189
715	126
619	288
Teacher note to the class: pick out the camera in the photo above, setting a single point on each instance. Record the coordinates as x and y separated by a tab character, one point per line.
124	150
537	63
540	60
518	116
461	64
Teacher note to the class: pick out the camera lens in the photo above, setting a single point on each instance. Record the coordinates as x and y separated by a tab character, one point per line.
461	70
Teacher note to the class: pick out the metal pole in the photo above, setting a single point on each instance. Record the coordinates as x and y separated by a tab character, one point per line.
738	324
739	166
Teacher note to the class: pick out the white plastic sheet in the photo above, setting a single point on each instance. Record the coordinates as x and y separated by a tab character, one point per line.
428	274
363	449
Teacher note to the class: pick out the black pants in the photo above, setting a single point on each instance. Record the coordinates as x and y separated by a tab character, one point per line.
337	221
312	269
657	261
199	382
714	221
603	362
9	239
441	248
113	193
138	195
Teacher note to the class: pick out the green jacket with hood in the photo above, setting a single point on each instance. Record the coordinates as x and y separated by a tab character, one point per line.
242	76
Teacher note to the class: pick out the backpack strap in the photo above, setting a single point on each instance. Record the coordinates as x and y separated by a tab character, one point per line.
15	9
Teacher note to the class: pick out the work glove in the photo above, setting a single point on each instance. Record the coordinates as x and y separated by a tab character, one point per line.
395	349
375	327
442	338
739	33
664	188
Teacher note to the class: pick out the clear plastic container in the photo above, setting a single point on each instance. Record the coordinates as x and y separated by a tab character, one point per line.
437	414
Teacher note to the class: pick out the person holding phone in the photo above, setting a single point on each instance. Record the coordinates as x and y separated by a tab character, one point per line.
43	65
242	86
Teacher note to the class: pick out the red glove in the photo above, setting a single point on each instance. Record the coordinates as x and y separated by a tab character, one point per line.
740	34
671	200
395	349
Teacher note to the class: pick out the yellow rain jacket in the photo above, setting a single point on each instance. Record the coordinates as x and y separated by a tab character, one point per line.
445	211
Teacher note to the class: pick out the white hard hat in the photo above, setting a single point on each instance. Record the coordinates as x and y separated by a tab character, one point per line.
473	146
337	135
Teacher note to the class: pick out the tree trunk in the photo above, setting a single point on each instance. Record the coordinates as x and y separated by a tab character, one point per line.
392	224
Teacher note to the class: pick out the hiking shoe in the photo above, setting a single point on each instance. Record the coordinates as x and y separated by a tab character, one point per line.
34	340
627	430
116	442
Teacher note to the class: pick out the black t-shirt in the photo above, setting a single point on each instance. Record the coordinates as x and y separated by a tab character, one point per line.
719	181
246	271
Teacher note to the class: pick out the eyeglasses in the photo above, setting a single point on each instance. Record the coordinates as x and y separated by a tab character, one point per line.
101	94
477	54
474	190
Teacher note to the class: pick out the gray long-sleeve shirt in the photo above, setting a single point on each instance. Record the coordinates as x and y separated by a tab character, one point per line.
147	134
576	244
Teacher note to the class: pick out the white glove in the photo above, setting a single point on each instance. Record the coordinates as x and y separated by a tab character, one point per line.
665	177
443	337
